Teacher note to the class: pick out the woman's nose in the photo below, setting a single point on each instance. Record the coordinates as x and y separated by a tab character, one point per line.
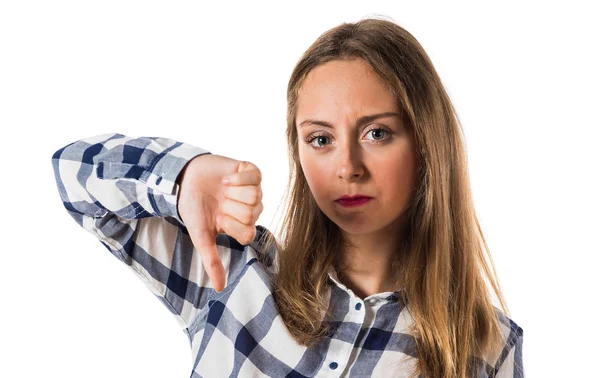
350	166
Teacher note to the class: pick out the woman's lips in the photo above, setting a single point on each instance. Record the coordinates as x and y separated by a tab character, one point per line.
354	202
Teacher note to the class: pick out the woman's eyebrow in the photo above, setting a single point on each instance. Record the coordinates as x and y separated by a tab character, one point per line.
362	120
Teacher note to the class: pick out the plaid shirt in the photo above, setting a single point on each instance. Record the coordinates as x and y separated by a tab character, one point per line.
123	190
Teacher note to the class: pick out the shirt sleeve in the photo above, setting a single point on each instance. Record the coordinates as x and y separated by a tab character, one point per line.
123	190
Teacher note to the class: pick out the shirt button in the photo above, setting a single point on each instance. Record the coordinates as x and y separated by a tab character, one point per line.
358	306
333	365
158	180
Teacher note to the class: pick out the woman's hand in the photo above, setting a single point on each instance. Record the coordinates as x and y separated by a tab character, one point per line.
209	207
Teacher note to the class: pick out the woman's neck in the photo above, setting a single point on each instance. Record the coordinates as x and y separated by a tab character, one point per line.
366	264
366	269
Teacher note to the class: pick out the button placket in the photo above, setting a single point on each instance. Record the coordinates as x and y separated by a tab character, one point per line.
359	311
339	362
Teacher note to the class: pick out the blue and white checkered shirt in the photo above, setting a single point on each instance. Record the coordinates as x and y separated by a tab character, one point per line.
123	190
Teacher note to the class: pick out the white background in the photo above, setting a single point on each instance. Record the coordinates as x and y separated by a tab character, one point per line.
523	77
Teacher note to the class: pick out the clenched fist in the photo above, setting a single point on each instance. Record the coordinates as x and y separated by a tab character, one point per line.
208	206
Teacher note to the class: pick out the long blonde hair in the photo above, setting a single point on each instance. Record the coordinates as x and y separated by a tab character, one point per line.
445	261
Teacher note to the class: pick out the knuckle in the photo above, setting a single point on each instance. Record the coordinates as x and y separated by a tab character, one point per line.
257	210
210	261
248	215
214	263
255	197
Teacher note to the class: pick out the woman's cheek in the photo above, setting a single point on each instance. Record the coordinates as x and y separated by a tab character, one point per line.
317	178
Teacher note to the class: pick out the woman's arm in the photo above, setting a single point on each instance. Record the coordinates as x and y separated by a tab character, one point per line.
124	190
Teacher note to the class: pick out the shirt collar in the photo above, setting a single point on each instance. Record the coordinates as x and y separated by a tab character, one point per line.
389	296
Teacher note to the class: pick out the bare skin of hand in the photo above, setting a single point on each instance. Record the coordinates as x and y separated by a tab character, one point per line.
209	207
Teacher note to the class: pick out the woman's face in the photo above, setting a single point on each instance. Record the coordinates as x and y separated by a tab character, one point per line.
375	158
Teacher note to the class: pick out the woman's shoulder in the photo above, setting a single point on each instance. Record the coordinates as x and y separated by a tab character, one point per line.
508	359
511	330
266	247
238	259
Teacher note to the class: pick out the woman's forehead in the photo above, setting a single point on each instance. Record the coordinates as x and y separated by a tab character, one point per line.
342	75
347	89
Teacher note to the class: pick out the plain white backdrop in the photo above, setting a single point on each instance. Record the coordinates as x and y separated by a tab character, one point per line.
523	78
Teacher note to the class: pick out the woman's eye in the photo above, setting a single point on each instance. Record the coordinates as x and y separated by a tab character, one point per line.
317	138
379	136
381	132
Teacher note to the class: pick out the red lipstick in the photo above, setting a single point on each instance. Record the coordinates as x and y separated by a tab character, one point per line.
353	201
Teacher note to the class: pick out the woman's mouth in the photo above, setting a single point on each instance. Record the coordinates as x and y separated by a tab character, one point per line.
353	201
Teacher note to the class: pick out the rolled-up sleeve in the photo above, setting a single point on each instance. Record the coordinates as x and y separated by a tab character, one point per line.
124	190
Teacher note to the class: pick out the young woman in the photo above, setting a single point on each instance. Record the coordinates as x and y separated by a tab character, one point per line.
393	283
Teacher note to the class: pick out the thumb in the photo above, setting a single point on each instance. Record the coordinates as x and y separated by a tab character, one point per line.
204	241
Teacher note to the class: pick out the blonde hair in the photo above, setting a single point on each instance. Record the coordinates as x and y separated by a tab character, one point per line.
444	261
